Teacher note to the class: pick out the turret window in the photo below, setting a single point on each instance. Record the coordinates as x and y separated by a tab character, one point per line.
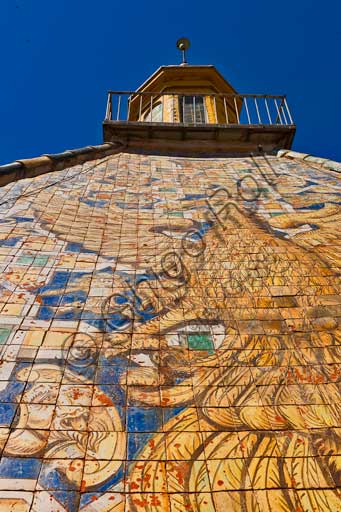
192	109
156	114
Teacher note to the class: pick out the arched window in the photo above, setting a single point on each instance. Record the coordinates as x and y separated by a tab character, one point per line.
155	115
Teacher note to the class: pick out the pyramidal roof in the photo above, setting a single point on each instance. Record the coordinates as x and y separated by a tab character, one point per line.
201	74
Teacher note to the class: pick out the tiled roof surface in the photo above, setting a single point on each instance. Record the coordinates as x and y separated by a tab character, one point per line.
170	335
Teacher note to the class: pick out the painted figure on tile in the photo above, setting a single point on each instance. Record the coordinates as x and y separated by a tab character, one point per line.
260	410
238	355
81	410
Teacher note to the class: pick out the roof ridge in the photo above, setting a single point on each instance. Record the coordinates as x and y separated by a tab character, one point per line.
32	167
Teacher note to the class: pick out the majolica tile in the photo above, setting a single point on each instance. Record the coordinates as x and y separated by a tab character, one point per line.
41	393
75	395
34	416
34	441
19	501
4	433
234	501
7	413
106	446
55	501
101	501
19	473
70	417
154	501
128	383
60	475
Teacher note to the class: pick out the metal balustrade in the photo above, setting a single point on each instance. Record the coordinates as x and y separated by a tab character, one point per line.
198	109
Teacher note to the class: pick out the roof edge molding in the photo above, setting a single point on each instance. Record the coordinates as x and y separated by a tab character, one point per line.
325	163
166	75
32	167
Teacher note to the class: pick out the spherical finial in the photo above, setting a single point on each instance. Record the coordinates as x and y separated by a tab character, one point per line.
183	44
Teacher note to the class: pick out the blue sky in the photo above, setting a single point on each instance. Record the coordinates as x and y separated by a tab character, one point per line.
59	58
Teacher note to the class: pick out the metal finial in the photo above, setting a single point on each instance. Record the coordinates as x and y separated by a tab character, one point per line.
183	44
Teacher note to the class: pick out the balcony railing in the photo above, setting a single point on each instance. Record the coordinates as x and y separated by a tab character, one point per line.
198	109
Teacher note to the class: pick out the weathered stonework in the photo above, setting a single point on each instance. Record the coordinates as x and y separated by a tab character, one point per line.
170	334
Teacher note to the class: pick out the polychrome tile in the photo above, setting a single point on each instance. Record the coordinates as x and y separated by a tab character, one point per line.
75	395
18	501
55	501
102	501
31	442
7	413
34	416
167	344
60	475
19	473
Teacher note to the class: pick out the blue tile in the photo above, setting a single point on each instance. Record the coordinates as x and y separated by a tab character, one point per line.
11	467
115	393
74	247
53	477
23	219
109	374
170	412
21	366
45	313
92	497
88	497
10	242
116	321
12	392
69	499
76	296
50	300
136	442
87	370
144	419
7	413
99	203
113	361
